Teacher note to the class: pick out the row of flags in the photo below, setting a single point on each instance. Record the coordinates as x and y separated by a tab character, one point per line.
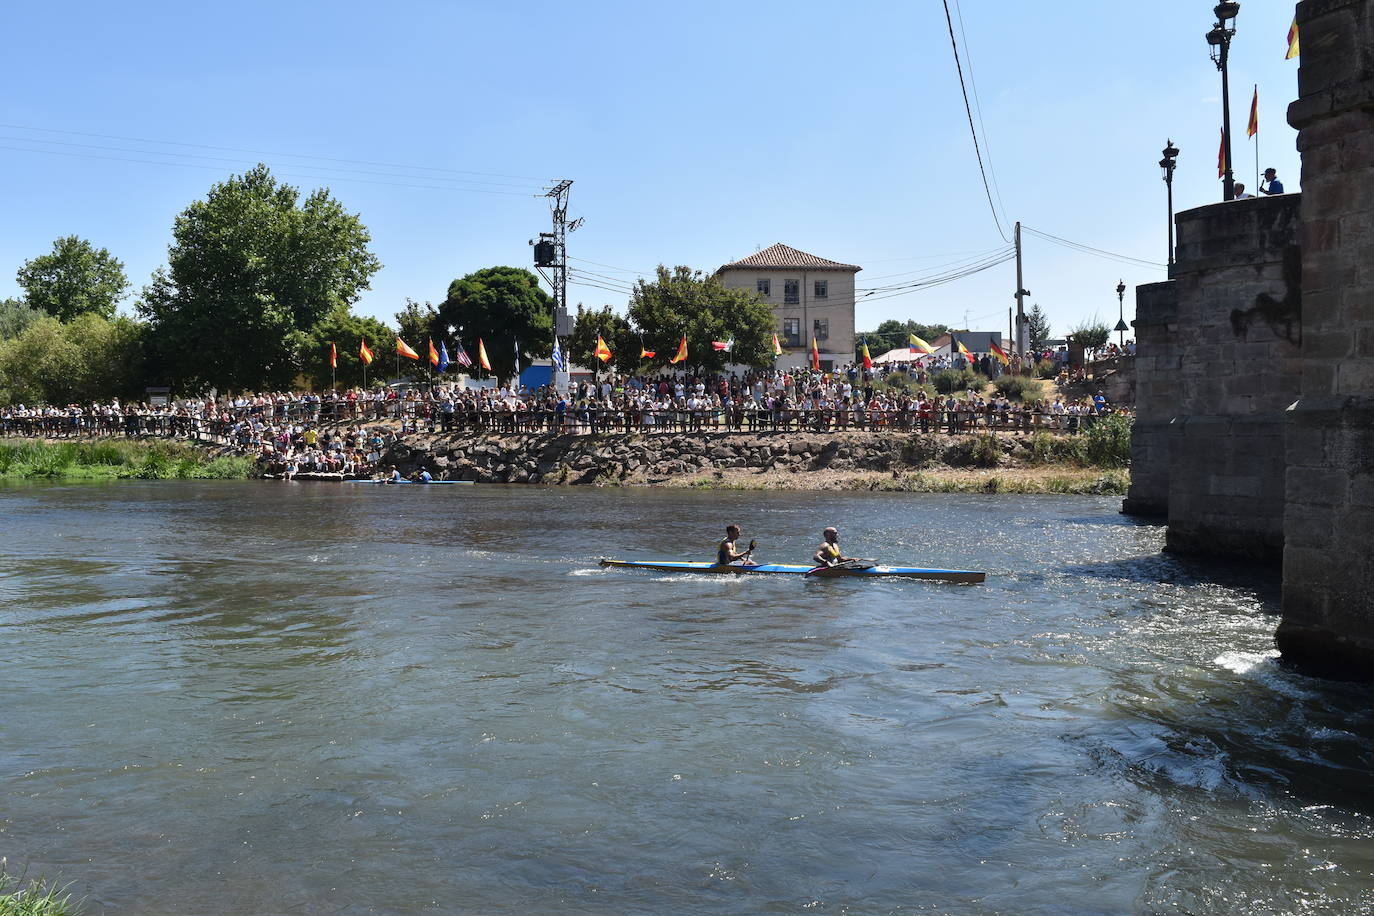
438	357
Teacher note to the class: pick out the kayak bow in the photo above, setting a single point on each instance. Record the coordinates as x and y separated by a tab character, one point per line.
905	572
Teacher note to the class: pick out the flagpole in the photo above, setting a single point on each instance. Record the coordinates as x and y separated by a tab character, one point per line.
1257	172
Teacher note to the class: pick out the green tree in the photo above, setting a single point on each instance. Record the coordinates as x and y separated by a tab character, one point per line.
15	316
251	270
346	331
416	324
1038	326
682	301
92	358
500	305
73	279
893	334
1093	335
614	329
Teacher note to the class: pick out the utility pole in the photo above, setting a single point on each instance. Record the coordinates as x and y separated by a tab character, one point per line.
1022	331
552	251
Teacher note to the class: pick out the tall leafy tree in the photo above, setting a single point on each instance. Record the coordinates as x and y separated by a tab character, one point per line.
500	305
15	316
893	334
683	301
73	279
346	331
87	359
1038	327
614	330
416	324
251	270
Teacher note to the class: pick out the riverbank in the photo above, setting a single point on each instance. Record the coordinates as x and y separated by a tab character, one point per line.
118	459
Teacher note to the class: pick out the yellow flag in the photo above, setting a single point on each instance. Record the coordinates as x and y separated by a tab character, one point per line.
681	356
919	344
603	352
1292	40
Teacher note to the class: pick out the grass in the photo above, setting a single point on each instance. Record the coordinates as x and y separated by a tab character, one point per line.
1110	484
113	459
33	898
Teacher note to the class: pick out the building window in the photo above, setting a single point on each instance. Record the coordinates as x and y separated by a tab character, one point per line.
822	289
764	287
791	292
821	328
791	332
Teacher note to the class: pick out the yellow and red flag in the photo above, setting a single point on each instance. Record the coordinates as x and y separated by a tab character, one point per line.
815	355
333	356
777	347
403	349
603	352
1254	114
681	356
1292	40
482	355
1221	155
868	360
645	354
917	344
433	353
364	353
999	353
964	350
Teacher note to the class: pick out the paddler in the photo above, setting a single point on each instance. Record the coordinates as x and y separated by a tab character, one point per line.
727	555
829	552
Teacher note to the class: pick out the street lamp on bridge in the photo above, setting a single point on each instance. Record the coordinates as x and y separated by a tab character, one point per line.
1121	314
1167	164
1219	42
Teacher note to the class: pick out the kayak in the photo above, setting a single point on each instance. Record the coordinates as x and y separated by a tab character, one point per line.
831	572
455	483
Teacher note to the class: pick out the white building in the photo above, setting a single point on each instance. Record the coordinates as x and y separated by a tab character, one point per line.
811	298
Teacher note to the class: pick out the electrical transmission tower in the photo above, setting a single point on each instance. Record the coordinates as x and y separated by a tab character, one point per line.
552	251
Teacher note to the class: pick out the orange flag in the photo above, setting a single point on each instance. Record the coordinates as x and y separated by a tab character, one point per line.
482	355
1221	156
333	356
403	350
1293	50
777	347
815	355
603	352
365	354
964	350
681	356
1254	114
433	353
645	354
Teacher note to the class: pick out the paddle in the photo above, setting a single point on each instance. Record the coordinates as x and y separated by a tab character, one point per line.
844	564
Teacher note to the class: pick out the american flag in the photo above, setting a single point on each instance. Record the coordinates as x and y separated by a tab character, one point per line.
460	355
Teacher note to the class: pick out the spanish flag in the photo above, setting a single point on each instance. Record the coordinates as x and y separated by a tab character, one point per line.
1221	155
402	349
815	355
645	354
603	352
999	353
917	344
1292	40
1254	114
777	347
681	356
364	353
482	355
433	353
868	360
333	356
964	350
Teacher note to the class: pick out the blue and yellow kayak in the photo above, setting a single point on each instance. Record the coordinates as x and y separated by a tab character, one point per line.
431	483
822	572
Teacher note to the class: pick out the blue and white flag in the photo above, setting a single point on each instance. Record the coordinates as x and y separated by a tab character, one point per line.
443	357
558	357
517	356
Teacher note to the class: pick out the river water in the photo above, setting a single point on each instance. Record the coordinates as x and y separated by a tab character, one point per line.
252	697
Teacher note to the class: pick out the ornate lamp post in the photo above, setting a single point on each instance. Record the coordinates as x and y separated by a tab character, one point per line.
1219	41
1121	314
1167	164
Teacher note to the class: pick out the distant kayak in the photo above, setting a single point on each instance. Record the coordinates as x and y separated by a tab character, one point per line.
431	483
826	572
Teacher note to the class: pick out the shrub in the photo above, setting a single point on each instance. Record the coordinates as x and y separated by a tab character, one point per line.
1107	443
1017	387
1046	369
949	381
980	451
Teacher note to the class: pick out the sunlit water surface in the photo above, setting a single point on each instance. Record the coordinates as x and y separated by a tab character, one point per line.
261	697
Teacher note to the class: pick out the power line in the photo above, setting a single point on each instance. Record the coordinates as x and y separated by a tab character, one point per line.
978	105
1088	249
969	110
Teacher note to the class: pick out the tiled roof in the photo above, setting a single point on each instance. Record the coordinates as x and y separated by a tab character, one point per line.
781	257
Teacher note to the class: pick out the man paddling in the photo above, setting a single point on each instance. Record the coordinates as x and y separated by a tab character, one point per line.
727	555
829	552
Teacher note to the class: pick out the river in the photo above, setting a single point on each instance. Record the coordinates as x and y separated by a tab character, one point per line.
257	697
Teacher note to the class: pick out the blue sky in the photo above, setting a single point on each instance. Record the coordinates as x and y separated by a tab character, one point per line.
695	134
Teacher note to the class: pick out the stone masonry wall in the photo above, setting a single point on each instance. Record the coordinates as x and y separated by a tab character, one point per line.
1328	560
1235	369
1156	398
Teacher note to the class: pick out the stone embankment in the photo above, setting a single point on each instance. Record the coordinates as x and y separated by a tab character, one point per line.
617	459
